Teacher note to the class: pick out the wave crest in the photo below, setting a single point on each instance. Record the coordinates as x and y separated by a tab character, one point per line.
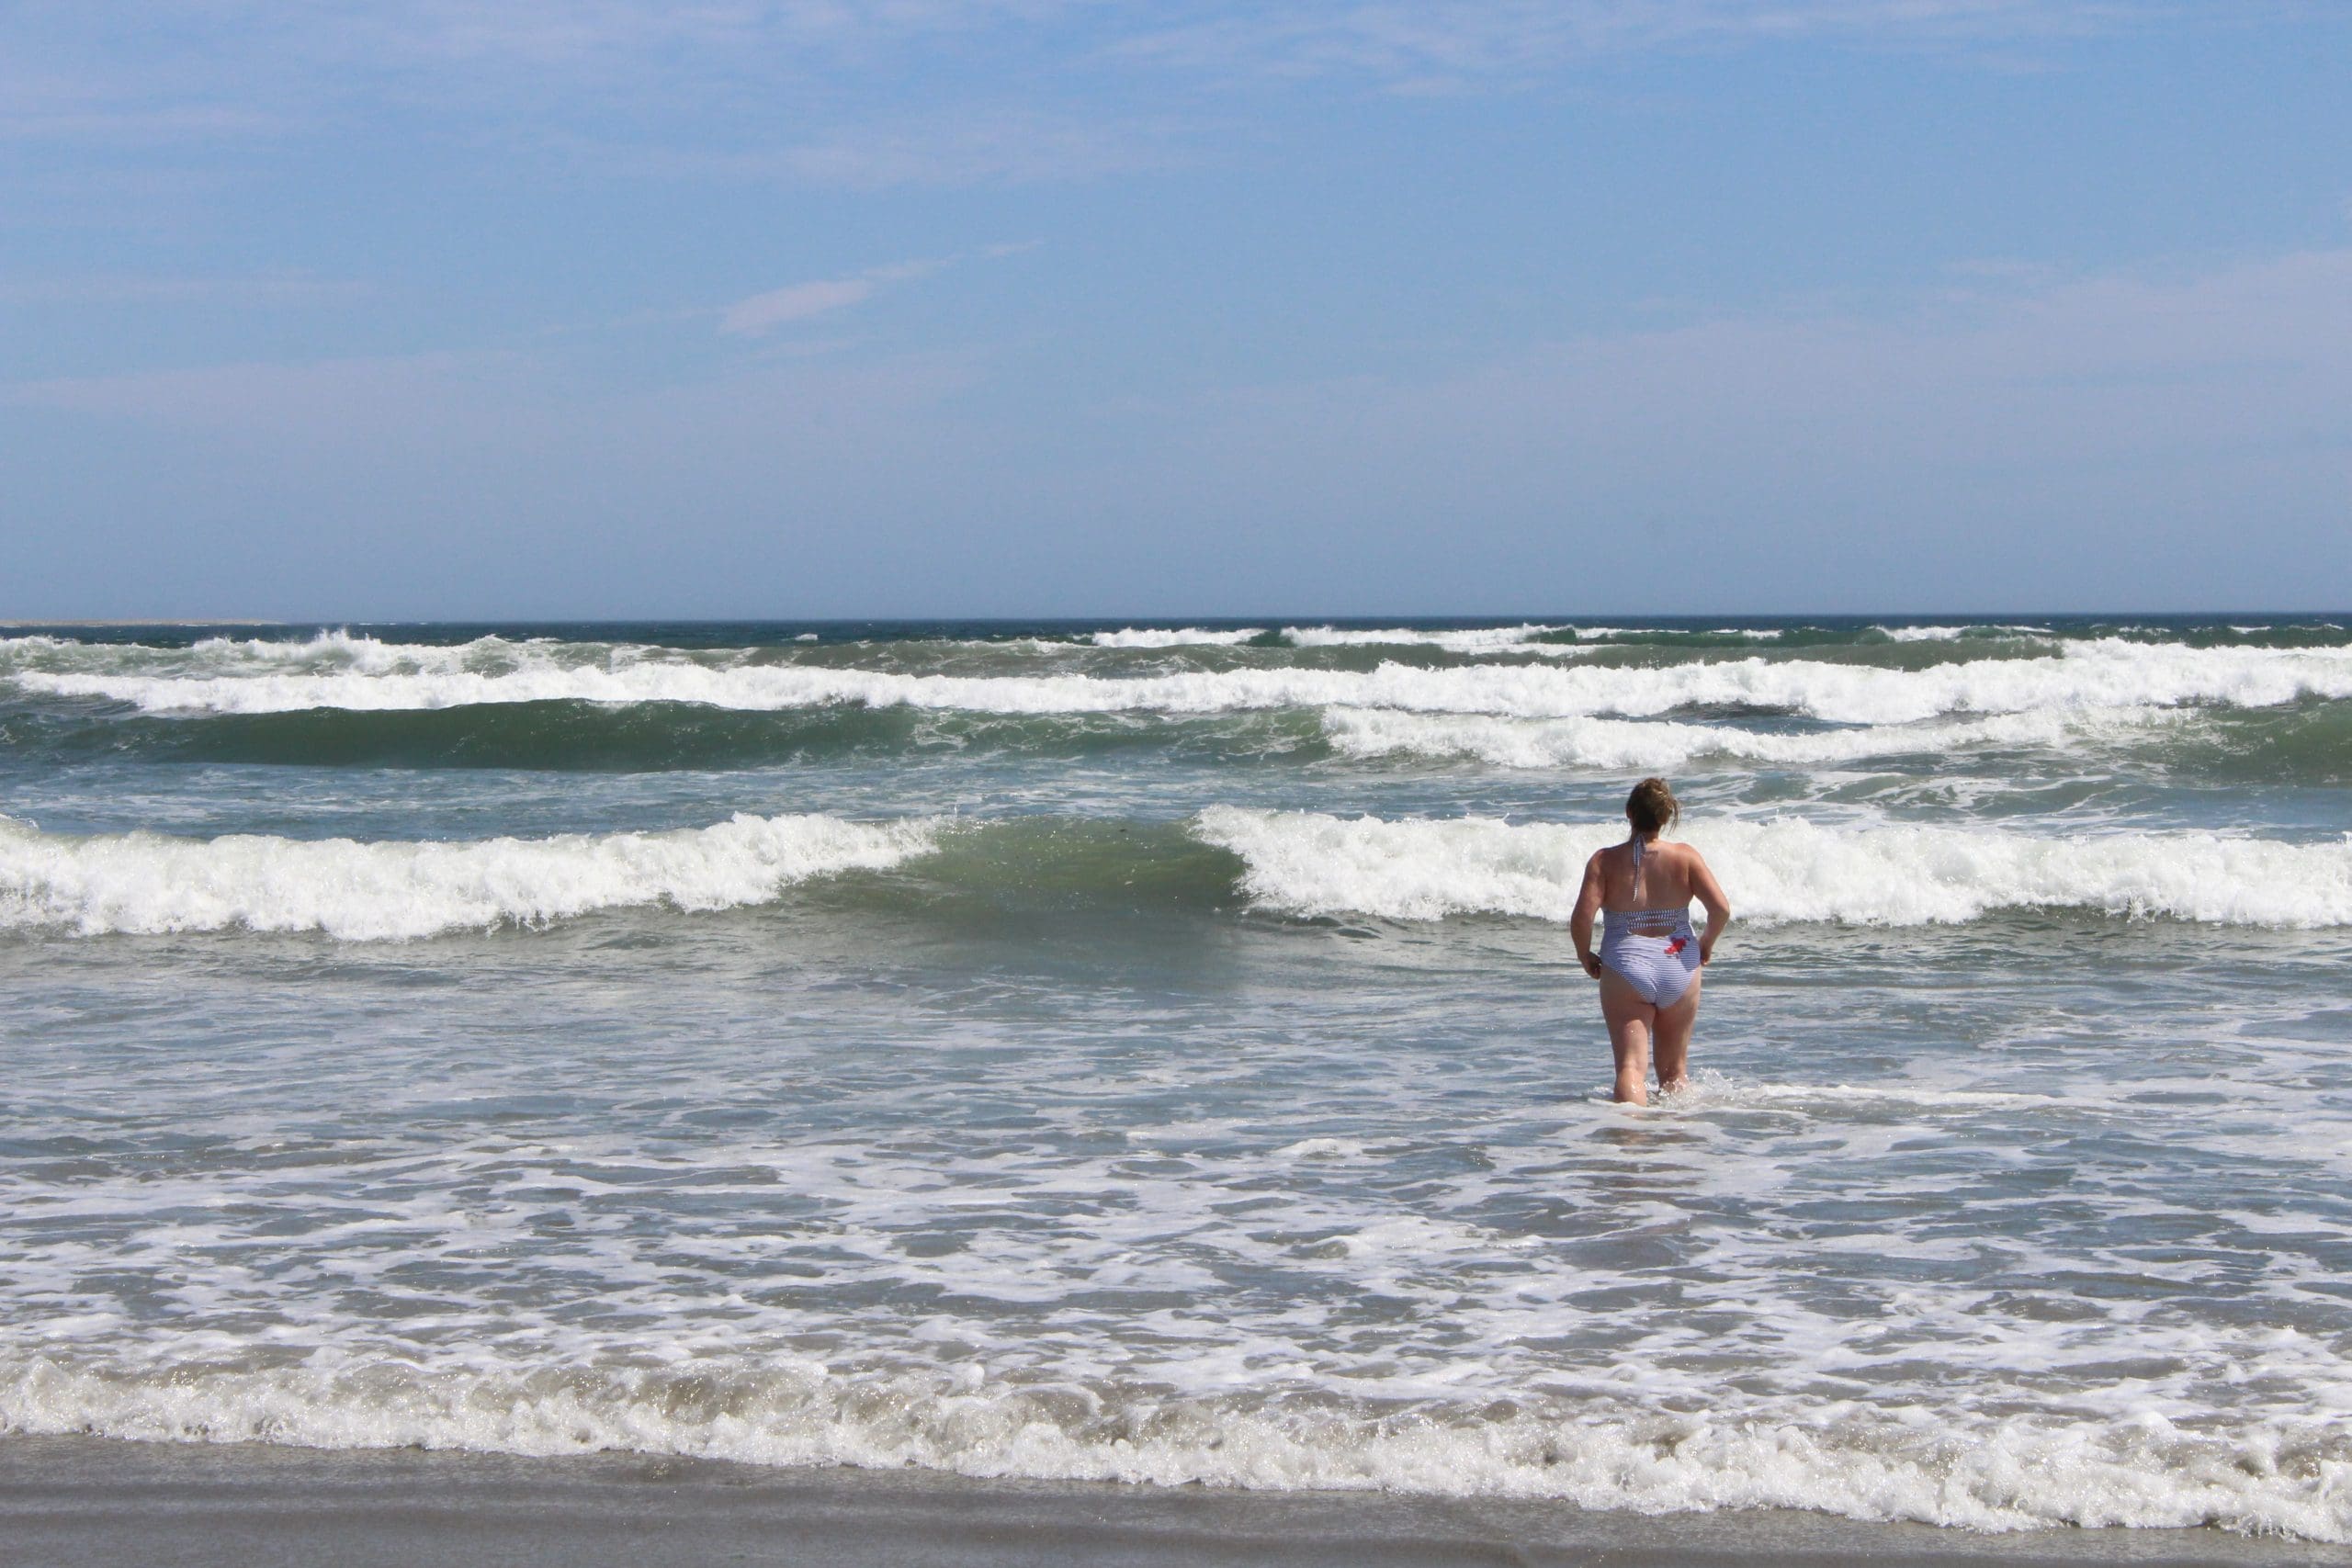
146	883
2107	674
1180	637
1295	863
1622	743
1310	864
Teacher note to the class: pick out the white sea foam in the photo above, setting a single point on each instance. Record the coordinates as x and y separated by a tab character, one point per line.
1486	640
1307	862
1619	634
1953	634
1322	1148
338	648
337	651
1712	1091
1479	639
1182	636
1781	869
1897	1464
147	883
1661	743
1343	1282
2103	674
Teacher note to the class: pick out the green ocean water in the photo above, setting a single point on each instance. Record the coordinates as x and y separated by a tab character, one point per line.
1085	1049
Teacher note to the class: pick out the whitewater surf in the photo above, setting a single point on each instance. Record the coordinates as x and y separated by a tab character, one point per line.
1151	1053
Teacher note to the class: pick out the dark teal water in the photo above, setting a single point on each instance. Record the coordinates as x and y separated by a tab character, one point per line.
1079	1049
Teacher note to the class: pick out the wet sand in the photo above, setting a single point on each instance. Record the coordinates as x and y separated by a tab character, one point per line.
85	1500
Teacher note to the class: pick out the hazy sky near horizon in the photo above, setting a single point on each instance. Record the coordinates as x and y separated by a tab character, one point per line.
507	308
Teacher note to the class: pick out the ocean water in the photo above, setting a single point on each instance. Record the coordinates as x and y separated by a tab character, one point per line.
1155	1053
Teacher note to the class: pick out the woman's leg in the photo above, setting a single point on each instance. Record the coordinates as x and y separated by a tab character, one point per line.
1629	1018
1673	1033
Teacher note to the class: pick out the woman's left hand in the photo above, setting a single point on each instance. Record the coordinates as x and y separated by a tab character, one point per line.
1591	963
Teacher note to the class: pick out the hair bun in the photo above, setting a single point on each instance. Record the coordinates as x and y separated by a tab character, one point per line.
1652	808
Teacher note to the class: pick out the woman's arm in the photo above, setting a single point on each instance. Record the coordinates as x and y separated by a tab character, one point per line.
1711	893
1580	921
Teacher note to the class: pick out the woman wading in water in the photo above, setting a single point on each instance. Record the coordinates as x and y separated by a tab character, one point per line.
1649	961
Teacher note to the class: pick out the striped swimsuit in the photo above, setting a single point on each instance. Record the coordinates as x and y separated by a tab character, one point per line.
1654	951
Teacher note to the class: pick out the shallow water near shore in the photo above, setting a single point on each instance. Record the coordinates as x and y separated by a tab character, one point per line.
1154	1053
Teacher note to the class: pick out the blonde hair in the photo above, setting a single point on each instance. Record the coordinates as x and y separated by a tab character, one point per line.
1651	809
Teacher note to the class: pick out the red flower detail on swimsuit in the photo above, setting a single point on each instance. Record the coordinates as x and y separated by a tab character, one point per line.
1676	945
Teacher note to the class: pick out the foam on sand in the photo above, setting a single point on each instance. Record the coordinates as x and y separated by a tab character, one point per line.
1978	1472
148	882
1307	862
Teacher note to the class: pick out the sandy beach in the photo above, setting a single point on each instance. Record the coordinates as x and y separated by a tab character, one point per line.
75	1500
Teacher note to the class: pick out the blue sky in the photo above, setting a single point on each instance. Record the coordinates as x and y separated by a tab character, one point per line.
501	308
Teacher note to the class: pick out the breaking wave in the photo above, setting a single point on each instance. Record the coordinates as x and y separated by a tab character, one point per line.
1291	863
2102	674
1527	639
1660	743
1180	637
148	882
1307	862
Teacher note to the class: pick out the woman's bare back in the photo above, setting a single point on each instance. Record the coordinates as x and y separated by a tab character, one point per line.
1670	875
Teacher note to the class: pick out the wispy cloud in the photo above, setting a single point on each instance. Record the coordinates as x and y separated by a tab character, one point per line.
816	91
1459	41
2026	439
2095	393
763	314
811	92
